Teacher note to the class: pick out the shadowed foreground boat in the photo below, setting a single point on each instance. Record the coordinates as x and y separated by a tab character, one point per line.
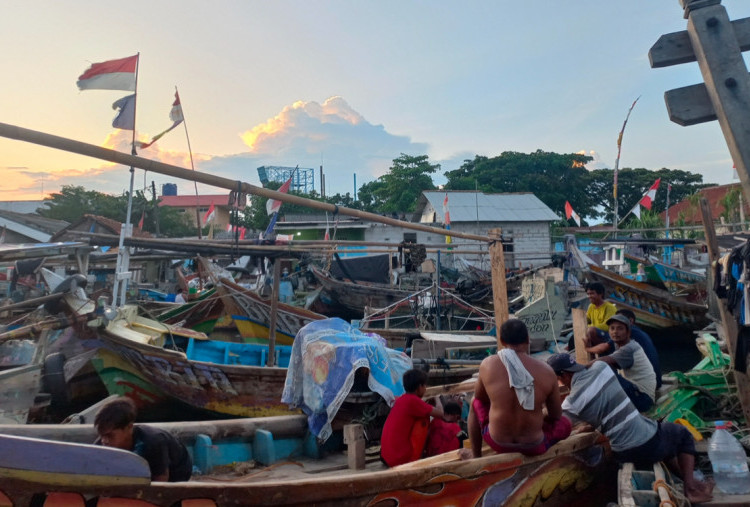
290	472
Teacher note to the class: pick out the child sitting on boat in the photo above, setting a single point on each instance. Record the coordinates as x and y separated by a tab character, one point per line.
167	457
405	430
443	435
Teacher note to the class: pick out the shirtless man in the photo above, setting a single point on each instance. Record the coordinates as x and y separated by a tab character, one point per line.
509	397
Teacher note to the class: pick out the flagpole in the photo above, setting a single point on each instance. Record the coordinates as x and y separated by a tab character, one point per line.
123	255
617	163
668	249
192	166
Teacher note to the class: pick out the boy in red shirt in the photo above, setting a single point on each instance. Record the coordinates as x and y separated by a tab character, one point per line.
443	434
405	430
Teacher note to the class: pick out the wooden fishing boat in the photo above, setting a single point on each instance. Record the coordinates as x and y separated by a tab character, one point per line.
351	298
681	281
290	469
252	313
652	307
151	361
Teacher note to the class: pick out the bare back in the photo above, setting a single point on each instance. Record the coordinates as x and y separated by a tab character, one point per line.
509	422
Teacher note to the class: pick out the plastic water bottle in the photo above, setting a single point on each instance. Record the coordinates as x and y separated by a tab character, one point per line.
728	461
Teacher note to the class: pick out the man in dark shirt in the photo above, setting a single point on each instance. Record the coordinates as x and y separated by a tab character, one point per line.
639	336
167	457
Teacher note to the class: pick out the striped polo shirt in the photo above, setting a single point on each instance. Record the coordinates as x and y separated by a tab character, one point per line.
597	398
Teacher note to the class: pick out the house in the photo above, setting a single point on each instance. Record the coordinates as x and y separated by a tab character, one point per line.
187	204
688	212
28	227
523	218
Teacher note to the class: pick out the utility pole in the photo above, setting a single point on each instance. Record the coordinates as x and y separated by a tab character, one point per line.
716	43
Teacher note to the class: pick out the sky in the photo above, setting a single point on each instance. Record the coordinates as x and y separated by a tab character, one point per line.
346	84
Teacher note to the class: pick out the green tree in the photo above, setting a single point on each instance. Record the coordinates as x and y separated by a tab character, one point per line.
648	220
731	204
552	177
399	189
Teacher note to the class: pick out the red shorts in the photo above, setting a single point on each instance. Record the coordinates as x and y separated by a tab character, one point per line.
553	433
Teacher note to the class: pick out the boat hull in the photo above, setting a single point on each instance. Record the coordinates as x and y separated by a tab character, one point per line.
577	472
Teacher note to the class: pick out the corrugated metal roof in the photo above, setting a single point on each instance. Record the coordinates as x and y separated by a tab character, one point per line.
470	206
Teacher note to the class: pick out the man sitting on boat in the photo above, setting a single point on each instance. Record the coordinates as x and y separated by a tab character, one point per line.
510	396
642	338
597	399
167	457
405	430
636	375
599	311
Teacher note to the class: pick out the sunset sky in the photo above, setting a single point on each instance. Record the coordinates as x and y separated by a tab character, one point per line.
347	84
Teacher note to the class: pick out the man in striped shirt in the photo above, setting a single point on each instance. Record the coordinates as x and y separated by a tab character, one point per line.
597	399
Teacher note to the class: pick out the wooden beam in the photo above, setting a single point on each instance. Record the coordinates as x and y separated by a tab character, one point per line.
91	150
354	439
271	360
727	80
728	322
499	288
675	48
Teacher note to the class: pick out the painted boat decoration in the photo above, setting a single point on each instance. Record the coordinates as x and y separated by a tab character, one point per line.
652	307
577	471
151	361
680	281
252	313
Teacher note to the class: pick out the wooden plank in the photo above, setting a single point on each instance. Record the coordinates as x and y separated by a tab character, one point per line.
727	80
675	48
728	321
499	288
579	335
689	105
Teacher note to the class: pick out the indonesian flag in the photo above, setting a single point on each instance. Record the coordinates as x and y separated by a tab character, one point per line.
175	115
272	205
125	118
447	219
648	200
140	222
210	214
111	75
569	212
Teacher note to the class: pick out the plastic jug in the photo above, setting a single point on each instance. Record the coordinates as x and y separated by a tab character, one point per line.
728	461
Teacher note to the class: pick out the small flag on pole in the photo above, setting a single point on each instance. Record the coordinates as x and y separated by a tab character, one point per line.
140	222
175	115
110	75
648	200
210	214
569	212
125	118
272	205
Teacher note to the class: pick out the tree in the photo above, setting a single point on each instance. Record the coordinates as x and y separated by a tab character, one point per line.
648	220
632	185
399	189
552	177
72	202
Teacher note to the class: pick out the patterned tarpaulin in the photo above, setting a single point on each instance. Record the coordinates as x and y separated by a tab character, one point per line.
325	355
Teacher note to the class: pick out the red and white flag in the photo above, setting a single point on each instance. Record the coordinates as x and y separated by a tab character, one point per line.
140	222
175	115
648	200
272	205
210	214
110	75
569	212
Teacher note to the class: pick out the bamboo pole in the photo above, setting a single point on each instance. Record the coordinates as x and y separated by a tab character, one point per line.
90	150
